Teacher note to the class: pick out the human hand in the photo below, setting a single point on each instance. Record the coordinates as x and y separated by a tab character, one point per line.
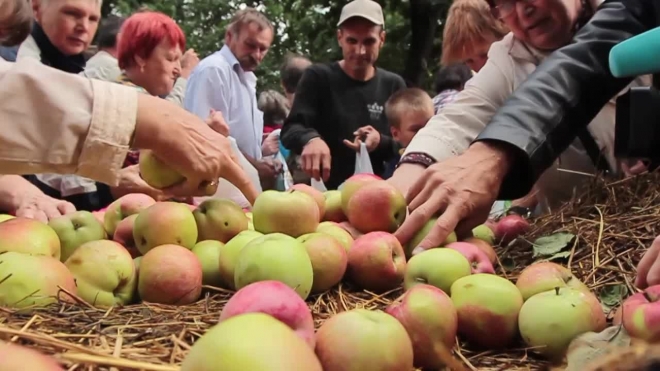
648	269
217	122
405	176
130	181
633	167
270	145
461	190
366	134
189	61
315	159
268	168
187	145
41	207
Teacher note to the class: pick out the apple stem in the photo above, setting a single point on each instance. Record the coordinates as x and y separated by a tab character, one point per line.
557	290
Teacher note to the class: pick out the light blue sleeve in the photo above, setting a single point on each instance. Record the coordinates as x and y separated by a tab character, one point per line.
208	88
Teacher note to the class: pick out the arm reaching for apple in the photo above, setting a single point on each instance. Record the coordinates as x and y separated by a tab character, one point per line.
648	270
23	199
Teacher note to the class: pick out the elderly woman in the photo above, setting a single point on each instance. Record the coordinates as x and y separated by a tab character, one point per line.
537	28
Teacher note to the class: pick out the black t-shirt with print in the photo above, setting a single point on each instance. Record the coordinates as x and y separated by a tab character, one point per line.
330	104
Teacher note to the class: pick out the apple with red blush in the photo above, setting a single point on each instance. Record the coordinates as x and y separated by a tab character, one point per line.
478	259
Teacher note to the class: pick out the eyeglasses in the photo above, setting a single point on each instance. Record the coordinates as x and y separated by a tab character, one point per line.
504	8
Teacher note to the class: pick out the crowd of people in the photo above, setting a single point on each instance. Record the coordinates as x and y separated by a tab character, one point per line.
523	109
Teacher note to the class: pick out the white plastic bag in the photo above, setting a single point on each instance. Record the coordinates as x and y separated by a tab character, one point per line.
363	161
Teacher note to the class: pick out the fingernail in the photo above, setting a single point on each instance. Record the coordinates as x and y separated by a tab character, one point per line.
418	250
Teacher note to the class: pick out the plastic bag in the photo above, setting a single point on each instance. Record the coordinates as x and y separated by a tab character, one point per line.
363	161
284	180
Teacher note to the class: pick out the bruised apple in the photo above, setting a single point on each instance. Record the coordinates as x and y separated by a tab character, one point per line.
376	262
376	207
329	260
219	219
170	274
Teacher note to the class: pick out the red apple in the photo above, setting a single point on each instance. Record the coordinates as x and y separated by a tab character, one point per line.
430	318
485	247
376	262
352	184
124	235
377	206
276	299
351	230
544	276
641	314
170	274
477	258
510	227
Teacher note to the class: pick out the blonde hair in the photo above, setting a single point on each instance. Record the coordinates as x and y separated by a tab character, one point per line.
469	22
406	100
246	16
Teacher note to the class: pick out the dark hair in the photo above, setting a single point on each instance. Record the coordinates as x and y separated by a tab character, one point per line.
452	77
292	70
107	36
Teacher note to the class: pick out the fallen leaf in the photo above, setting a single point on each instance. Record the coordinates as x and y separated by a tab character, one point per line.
612	295
551	245
592	345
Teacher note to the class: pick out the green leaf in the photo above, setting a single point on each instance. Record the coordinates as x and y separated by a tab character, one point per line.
612	295
508	264
550	245
560	255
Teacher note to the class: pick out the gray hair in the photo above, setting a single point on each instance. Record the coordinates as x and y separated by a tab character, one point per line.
274	106
246	16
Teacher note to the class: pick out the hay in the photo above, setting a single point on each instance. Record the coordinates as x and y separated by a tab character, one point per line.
614	224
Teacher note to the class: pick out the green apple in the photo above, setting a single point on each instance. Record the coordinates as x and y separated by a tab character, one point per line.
376	207
29	236
165	223
487	307
292	213
156	173
485	233
219	219
328	257
275	257
318	197
170	274
335	230
361	339
76	229
419	237
250	222
4	217
123	207
430	318
550	320
208	253
333	211
439	267
376	262
229	255
250	342
33	280
352	184
104	272
544	276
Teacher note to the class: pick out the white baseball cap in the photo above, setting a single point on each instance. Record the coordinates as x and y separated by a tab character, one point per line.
367	9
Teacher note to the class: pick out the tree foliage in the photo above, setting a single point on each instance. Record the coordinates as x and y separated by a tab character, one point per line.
307	27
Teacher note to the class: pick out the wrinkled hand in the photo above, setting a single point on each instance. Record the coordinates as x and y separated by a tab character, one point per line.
217	122
42	207
130	181
648	269
632	168
189	61
371	139
460	190
315	159
268	168
270	145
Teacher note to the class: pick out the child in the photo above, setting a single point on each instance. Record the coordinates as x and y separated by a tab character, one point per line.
407	110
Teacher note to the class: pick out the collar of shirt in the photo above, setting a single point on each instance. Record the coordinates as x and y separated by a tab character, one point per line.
248	77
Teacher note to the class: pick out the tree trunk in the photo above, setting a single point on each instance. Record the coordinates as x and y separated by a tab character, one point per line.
423	24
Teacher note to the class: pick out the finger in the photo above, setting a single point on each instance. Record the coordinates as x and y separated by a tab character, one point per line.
355	146
423	195
316	166
465	226
653	277
419	185
306	164
50	210
234	174
326	160
414	222
66	208
445	224
644	266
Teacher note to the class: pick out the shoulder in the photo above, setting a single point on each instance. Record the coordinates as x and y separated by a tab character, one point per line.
213	64
29	49
390	77
318	72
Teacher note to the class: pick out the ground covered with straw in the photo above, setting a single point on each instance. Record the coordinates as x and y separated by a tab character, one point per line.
613	223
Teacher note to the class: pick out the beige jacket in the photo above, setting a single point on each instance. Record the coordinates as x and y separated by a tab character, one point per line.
83	129
510	62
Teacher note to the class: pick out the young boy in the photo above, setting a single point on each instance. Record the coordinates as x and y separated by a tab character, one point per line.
407	111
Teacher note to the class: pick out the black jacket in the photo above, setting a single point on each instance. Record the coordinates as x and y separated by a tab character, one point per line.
545	114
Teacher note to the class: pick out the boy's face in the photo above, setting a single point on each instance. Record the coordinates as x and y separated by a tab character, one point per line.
411	122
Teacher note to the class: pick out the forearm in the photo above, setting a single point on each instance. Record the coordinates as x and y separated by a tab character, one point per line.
295	136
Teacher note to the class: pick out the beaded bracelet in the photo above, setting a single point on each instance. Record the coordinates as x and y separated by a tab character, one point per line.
418	158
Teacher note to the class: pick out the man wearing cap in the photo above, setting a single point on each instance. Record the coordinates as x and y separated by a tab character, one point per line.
339	102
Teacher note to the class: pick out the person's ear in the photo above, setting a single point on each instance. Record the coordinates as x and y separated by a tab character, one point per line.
396	133
37	6
339	33
382	38
140	62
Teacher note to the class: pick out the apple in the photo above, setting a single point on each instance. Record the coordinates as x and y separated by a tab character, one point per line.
29	236
251	341
170	274
351	230
361	339
478	259
208	253
104	273
487	307
165	223
376	262
156	173
33	280
100	216
15	357
292	213
485	247
550	320
275	257
377	206
124	207
124	235
544	276
338	232
429	317
510	227
329	260
219	219
640	314
229	255
439	267
484	233
250	222
318	197
333	211
76	229
5	217
276	299
421	234
352	184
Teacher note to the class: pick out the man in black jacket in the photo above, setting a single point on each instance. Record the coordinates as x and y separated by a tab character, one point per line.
538	122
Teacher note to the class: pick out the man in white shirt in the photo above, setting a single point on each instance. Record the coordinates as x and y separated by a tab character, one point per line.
225	82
